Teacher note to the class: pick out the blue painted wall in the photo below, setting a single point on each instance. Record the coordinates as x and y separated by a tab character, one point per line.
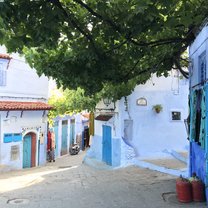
95	150
197	161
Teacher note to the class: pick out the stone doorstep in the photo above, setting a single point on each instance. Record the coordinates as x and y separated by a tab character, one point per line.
167	163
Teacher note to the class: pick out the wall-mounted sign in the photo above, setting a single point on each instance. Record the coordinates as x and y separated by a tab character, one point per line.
141	102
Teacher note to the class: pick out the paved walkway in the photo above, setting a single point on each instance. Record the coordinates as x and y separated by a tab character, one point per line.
68	183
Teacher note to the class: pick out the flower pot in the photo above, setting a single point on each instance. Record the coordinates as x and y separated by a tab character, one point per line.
157	110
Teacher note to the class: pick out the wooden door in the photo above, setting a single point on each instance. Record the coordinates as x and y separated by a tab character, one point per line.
33	151
27	151
107	145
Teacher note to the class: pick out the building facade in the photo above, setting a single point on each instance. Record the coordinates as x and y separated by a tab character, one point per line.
23	113
132	128
71	130
198	127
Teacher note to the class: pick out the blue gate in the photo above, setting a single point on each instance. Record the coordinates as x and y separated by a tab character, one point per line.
72	131
56	136
27	151
64	137
107	145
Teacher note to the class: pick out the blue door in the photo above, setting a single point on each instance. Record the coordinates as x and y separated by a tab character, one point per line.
27	151
64	137
72	131
56	136
107	146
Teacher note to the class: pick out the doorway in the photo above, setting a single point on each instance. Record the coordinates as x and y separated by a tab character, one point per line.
107	145
29	150
64	137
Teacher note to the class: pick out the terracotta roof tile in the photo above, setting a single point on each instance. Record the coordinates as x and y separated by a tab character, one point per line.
16	106
5	56
103	117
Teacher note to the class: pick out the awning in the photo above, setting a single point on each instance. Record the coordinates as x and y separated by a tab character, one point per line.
23	106
104	117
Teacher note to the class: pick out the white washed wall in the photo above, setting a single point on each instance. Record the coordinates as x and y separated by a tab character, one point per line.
196	49
152	133
22	81
30	120
79	127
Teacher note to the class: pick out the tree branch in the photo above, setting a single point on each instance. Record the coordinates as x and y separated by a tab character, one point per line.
152	69
178	65
90	10
117	46
157	42
71	20
128	37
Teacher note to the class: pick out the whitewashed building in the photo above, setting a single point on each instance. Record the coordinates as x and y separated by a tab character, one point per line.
198	134
68	131
132	128
23	113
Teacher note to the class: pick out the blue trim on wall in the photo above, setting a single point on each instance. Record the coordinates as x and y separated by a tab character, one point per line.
198	161
16	137
7	138
206	142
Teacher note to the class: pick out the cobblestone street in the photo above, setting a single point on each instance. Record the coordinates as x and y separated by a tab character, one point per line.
69	183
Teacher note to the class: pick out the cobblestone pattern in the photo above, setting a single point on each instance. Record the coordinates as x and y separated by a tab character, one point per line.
68	183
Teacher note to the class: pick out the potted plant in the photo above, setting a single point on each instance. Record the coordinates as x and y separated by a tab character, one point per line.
157	108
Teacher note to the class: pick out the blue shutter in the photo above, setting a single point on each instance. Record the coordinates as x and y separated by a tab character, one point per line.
7	138
17	137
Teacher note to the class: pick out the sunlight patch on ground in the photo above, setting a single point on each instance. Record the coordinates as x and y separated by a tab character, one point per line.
18	182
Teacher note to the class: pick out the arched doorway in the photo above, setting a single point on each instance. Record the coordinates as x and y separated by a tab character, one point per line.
29	150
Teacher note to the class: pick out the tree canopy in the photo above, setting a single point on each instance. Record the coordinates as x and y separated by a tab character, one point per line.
70	101
101	44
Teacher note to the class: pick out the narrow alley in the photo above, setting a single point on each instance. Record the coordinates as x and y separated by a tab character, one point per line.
70	183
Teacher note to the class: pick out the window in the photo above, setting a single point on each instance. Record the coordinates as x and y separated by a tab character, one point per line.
15	152
176	115
64	122
17	137
141	102
12	138
72	121
202	67
7	138
2	75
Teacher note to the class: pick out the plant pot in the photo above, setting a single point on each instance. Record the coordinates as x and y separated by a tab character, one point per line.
157	110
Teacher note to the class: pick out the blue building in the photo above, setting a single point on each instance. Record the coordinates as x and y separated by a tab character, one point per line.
198	102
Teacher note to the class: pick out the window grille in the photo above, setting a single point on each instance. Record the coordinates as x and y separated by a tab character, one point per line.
15	152
176	115
202	67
